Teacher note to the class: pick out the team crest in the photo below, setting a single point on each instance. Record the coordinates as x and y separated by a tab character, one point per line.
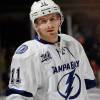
22	49
70	90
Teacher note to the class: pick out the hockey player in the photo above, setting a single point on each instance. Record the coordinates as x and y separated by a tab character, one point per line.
53	66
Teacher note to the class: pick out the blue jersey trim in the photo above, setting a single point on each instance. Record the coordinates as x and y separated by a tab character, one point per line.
90	83
20	92
45	42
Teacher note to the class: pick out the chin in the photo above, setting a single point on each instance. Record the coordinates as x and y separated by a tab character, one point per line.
54	40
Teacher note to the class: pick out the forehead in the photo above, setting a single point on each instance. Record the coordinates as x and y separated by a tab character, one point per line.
48	16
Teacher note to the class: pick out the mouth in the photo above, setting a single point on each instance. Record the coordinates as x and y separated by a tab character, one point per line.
50	30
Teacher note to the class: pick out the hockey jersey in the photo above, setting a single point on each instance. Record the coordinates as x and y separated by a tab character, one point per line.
44	71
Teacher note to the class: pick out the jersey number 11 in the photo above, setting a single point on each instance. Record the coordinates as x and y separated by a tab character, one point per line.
15	76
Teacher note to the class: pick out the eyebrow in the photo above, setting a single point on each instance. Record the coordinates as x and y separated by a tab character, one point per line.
43	17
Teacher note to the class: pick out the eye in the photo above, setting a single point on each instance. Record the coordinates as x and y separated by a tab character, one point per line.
53	19
42	21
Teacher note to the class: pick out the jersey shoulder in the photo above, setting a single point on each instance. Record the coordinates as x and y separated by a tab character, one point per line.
68	38
72	43
25	50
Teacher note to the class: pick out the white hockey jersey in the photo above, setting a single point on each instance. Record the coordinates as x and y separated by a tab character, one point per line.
45	71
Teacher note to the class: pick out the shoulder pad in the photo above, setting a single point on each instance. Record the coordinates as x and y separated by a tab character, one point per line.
71	42
67	37
25	50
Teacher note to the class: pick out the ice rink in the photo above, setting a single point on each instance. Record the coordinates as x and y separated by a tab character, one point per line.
94	94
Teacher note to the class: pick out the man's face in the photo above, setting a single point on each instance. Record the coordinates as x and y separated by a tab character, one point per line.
48	26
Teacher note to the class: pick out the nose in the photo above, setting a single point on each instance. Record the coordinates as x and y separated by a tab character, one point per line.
49	24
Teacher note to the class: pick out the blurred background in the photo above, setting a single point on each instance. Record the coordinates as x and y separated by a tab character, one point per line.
82	21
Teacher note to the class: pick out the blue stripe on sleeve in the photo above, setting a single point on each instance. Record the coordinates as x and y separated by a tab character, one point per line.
90	83
20	92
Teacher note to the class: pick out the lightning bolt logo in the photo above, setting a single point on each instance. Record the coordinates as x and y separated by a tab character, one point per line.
69	86
70	83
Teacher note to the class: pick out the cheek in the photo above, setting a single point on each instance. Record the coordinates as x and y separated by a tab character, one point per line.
37	28
40	29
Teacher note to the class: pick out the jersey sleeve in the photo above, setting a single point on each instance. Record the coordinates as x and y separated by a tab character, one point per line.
87	70
22	83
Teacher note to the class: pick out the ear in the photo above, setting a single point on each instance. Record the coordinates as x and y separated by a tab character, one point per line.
59	18
60	23
35	27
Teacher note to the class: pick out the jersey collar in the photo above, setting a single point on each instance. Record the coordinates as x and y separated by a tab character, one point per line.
45	42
